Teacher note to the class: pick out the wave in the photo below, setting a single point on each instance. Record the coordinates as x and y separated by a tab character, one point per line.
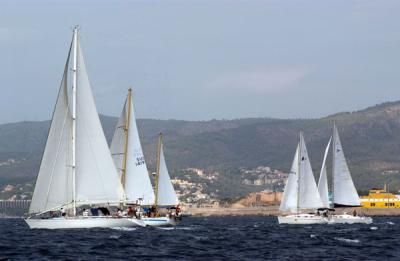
347	240
124	228
166	228
185	228
373	228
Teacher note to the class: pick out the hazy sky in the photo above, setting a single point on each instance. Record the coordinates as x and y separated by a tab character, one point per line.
199	60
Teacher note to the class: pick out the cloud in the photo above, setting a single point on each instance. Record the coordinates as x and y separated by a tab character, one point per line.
262	80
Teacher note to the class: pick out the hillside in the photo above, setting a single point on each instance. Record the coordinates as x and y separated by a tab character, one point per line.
370	138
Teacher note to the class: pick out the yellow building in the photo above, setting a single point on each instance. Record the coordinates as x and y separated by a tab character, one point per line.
379	198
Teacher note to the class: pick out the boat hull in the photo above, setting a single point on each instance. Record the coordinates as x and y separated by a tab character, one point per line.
302	219
349	219
159	221
82	222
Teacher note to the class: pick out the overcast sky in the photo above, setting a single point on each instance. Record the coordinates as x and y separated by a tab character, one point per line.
199	60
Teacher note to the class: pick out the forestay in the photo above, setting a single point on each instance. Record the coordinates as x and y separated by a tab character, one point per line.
344	190
137	185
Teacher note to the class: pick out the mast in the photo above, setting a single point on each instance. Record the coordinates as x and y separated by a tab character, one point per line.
74	83
333	164
298	170
158	168
126	128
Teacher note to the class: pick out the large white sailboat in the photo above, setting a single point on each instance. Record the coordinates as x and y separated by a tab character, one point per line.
344	191
301	192
165	195
76	168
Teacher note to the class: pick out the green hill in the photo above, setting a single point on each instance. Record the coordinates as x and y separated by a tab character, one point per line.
370	138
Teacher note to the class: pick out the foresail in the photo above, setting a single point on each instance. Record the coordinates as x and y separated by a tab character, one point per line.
138	187
96	176
289	199
166	193
344	192
309	197
118	143
323	179
54	182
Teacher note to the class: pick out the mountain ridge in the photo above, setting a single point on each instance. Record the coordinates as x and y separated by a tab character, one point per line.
370	138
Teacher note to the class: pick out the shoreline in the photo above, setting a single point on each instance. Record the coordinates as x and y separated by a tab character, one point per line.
274	211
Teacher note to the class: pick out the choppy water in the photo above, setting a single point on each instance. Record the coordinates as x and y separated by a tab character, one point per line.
228	238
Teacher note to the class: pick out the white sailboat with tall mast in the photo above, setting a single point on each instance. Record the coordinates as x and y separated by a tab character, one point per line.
76	168
129	160
344	191
301	192
165	195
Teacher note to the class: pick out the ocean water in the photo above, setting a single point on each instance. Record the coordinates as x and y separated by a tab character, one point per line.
206	238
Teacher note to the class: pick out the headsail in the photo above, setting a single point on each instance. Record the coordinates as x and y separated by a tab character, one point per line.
344	191
309	197
54	185
289	199
137	182
323	179
166	195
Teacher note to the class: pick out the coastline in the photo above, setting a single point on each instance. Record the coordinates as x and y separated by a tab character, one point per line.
274	211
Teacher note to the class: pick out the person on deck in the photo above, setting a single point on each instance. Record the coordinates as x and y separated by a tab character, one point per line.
119	212
130	212
63	213
177	210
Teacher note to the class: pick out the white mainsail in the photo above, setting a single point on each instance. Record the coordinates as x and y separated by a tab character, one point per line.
323	179
289	199
96	176
166	195
95	179
137	182
301	191
344	191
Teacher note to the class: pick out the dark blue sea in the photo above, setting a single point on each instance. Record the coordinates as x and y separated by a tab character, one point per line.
206	238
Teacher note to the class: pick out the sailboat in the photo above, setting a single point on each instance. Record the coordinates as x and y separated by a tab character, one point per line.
165	195
301	192
344	191
129	160
76	168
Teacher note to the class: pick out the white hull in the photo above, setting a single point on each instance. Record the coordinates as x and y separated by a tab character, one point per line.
159	221
302	219
349	219
82	222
